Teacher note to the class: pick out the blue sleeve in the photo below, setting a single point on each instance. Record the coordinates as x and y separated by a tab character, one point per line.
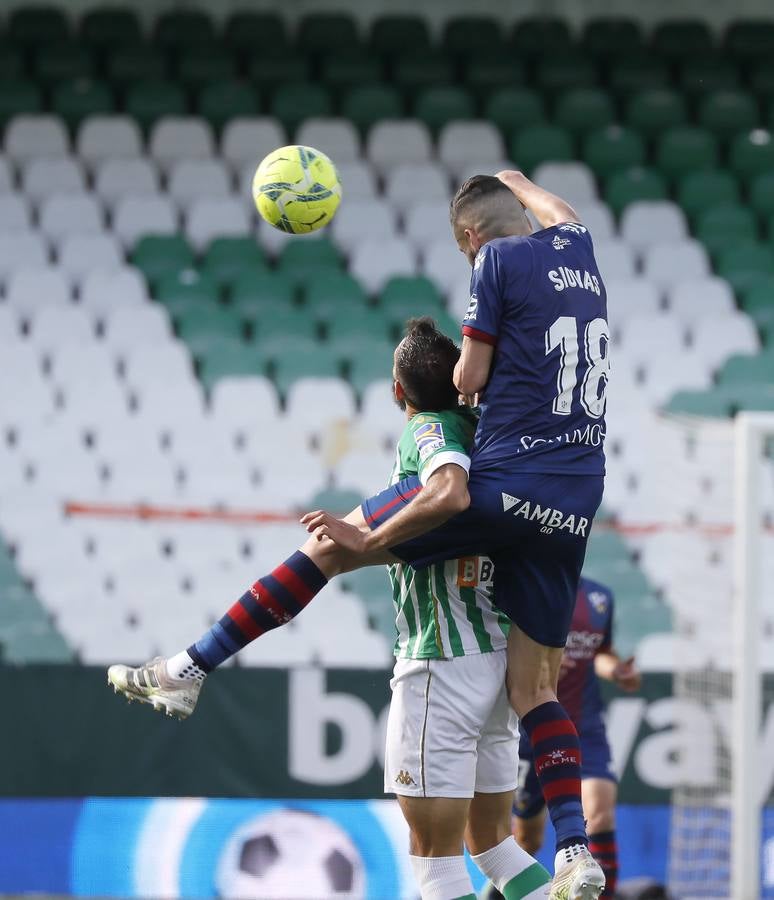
487	297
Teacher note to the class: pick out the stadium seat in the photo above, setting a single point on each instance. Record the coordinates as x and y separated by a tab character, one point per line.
715	338
226	257
639	72
269	71
54	326
20	249
583	110
28	136
173	138
425	221
488	73
157	255
184	27
7	177
692	299
357	221
44	176
37	25
358	180
752	153
102	289
34	287
116	179
631	296
136	216
615	259
129	325
105	27
58	212
412	74
292	103
101	138
685	149
15	212
337	138
135	64
742	265
191	179
392	33
647	223
82	97
19	97
612	36
708	72
212	217
54	63
556	74
405	183
394	142
167	362
631	185
597	218
612	148
443	264
537	144
720	226
512	108
680	38
662	261
221	101
651	112
375	260
572	181
726	113
148	101
761	194
195	69
540	34
438	106
462	143
246	140
78	254
698	191
365	105
256	291
243	29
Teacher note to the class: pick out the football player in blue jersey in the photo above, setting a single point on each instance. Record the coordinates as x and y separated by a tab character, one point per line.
535	350
589	656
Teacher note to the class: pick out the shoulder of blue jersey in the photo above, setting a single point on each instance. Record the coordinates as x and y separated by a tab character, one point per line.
600	596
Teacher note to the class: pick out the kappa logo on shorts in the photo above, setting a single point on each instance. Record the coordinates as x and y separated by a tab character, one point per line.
429	438
404	778
550	519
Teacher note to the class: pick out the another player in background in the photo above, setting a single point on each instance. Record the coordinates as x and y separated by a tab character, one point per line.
452	738
589	656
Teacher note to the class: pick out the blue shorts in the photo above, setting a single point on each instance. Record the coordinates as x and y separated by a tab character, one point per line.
534	527
597	763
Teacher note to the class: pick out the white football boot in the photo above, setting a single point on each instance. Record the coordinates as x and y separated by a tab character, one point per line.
151	683
580	878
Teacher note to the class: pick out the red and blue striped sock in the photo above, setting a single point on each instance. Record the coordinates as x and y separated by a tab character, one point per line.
604	848
556	751
272	601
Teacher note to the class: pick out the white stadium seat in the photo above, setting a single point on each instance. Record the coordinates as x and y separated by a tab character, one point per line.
10	326
173	138
392	142
246	140
237	401
81	253
362	220
191	179
675	261
106	289
598	220
650	222
22	249
43	177
35	287
137	216
717	337
337	138
615	259
103	138
119	178
464	141
443	263
15	212
148	364
424	222
131	325
55	326
375	260
650	339
211	217
28	136
358	181
573	181
61	214
627	297
313	402
75	364
694	299
6	175
416	182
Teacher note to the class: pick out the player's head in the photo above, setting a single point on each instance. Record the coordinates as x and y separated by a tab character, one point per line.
423	367
484	209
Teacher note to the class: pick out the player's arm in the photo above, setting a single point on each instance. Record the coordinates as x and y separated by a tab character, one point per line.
472	370
621	672
444	495
547	208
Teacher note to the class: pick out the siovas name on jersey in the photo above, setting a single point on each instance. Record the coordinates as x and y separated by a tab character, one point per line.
564	277
551	519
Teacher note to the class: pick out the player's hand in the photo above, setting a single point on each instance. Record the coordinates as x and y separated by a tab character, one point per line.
511	178
323	525
627	676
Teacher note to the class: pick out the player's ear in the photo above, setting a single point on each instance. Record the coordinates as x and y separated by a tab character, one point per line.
397	389
473	239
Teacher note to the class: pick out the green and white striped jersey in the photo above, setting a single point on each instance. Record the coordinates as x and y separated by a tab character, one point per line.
446	609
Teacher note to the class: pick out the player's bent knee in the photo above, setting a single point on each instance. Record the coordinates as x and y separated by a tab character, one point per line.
529	834
600	820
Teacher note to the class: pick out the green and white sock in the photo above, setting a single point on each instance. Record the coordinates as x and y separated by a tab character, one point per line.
516	874
442	877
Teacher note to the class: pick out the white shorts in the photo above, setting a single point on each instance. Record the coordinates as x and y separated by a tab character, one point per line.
451	731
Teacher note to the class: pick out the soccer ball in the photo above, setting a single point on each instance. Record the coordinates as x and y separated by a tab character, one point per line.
296	189
290	853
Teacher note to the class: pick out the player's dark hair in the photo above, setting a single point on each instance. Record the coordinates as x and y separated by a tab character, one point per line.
473	191
424	365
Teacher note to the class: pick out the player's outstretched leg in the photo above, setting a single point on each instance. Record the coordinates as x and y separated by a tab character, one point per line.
172	685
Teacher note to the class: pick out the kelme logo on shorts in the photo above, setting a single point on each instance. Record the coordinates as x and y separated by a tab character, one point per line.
551	519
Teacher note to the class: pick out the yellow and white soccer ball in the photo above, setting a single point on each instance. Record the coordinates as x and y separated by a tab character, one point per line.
296	189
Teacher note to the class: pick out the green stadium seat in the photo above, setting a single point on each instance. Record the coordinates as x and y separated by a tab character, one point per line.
436	106
484	74
334	292
207	320
291	362
223	100
227	257
34	642
538	36
413	72
750	39
721	226
253	293
81	97
630	185
350	68
514	108
761	193
677	39
140	63
311	255
685	149
613	148
195	68
541	143
742	265
223	358
282	321
639	73
368	104
292	103
245	31
611	36
61	62
753	397
357	325
12	64
653	111
276	68
399	34
702	190
18	97
37	25
726	113
761	80
709	404
106	27
710	73
335	500
159	255
374	364
184	27
744	369
606	547
149	100
759	298
322	32
583	110
414	293
565	72
187	286
472	34
752	153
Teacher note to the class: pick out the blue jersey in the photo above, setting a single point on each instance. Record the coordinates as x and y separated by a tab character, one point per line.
541	302
591	632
